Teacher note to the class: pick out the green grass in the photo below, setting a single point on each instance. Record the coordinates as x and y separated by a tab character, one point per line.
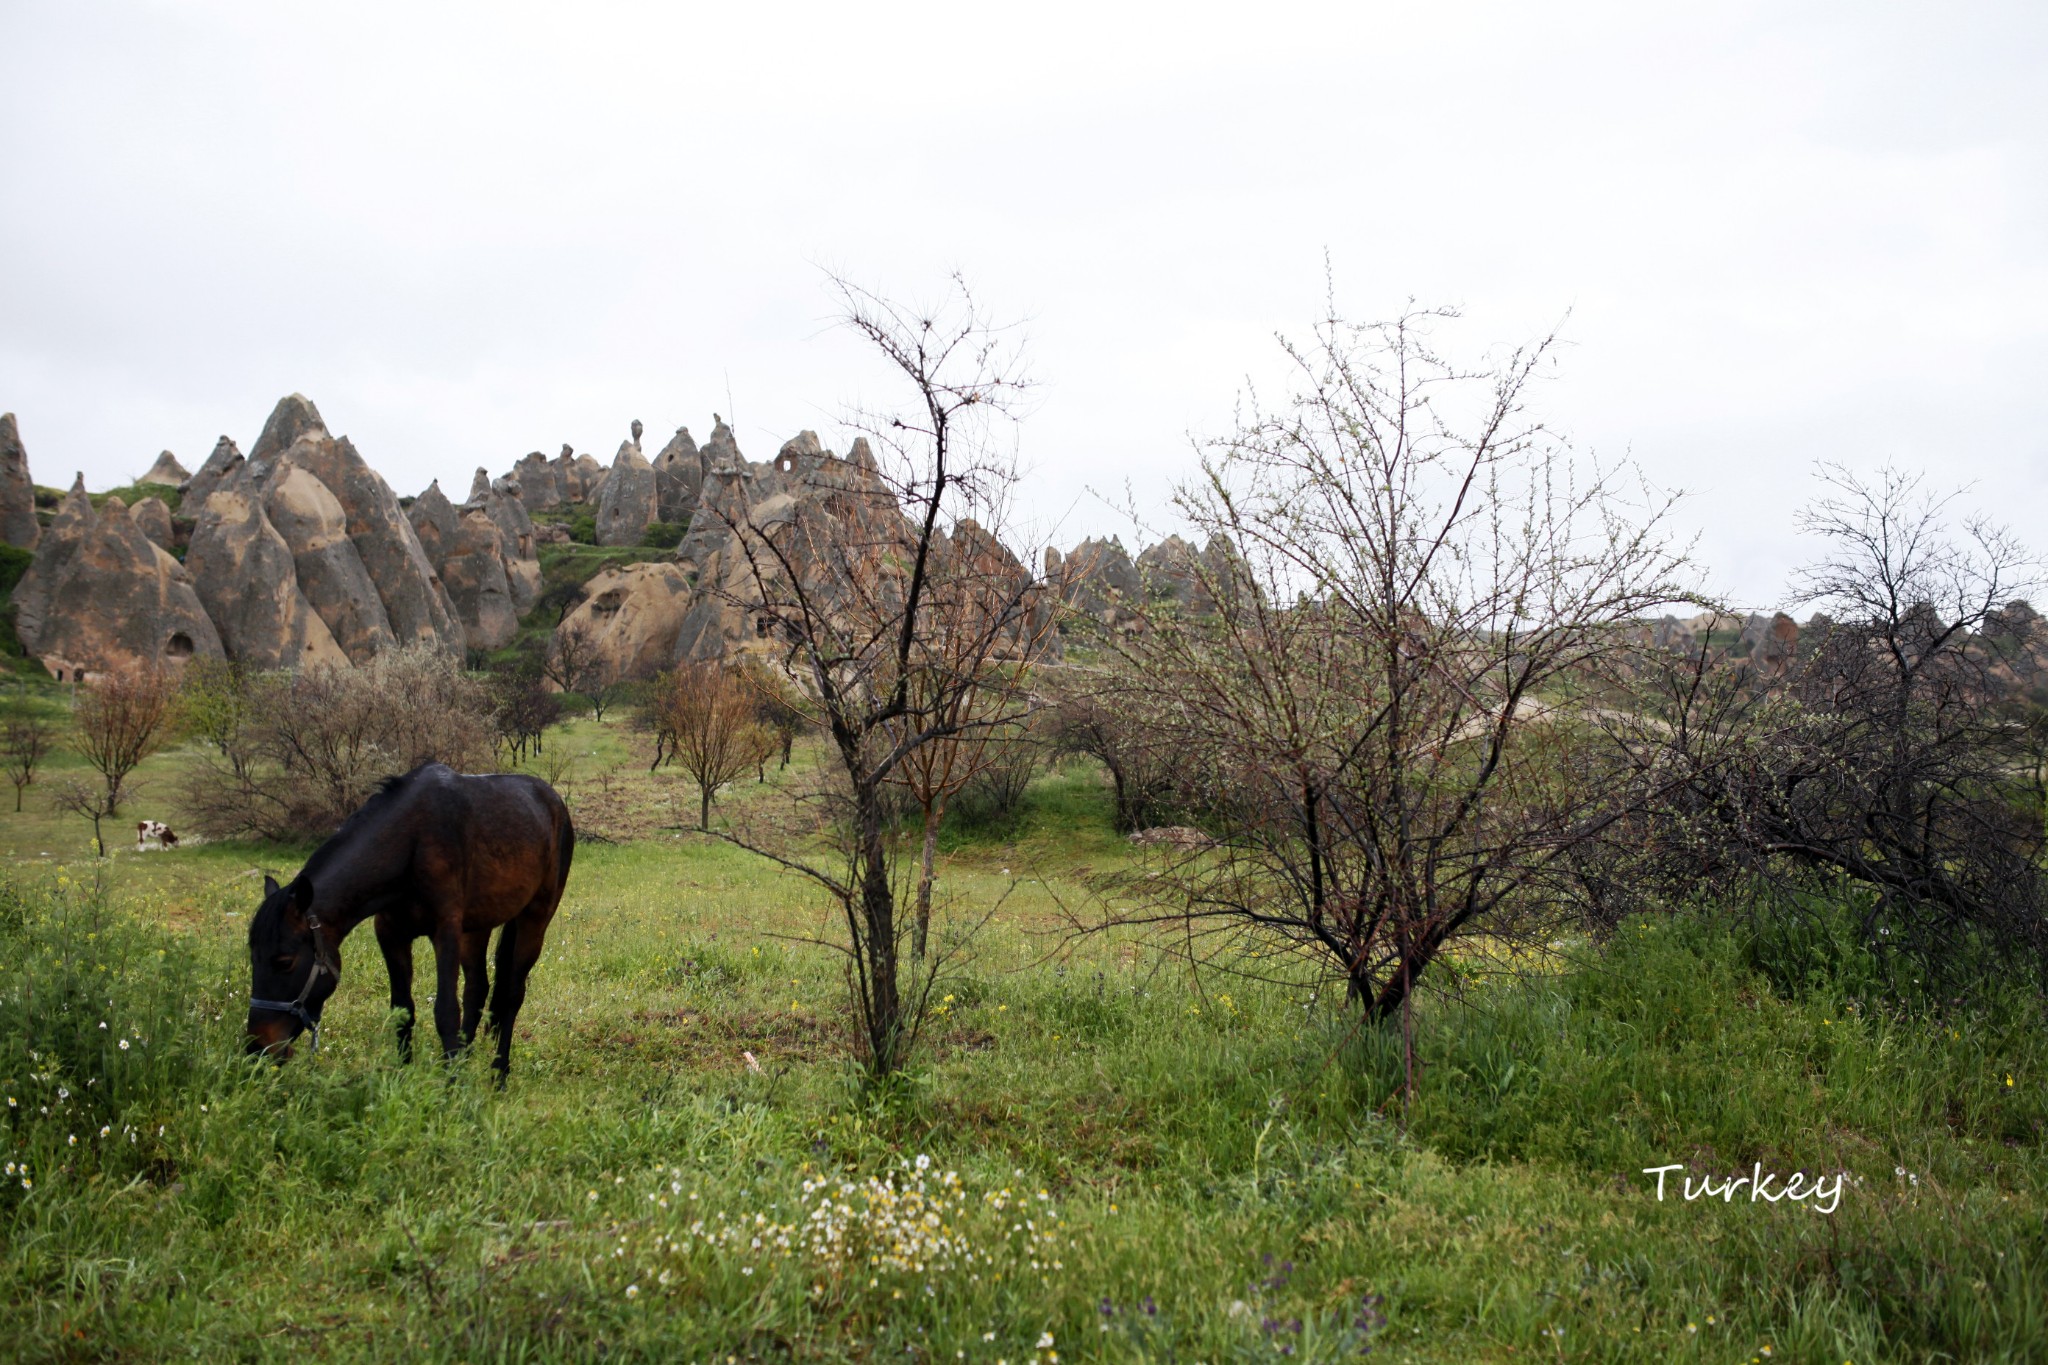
1182	1131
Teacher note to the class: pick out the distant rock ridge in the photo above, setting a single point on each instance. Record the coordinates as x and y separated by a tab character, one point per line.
299	552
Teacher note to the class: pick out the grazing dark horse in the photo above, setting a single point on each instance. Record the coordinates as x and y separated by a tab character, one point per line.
435	855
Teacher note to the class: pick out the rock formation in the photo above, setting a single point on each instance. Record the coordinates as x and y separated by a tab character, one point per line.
247	580
224	461
1097	580
626	504
166	470
517	551
120	601
473	571
633	613
415	604
66	532
678	478
540	483
18	524
1772	642
433	520
153	515
331	572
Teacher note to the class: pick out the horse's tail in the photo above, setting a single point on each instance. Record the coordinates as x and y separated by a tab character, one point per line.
565	846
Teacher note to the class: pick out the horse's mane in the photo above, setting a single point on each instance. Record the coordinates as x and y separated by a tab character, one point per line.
387	789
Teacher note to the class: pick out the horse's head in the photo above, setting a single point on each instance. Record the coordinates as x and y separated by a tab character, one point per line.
292	969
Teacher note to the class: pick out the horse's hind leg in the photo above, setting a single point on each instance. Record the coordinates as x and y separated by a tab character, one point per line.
396	944
519	946
476	986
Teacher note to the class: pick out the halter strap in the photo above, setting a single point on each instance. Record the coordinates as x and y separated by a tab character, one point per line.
297	1007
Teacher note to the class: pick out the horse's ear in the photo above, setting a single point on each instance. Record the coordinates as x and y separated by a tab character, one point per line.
269	887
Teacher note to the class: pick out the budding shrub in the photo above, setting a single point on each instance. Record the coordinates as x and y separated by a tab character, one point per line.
316	743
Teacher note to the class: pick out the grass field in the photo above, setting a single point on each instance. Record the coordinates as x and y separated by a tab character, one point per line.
1097	1157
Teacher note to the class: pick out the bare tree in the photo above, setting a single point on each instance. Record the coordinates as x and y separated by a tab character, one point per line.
885	628
705	721
1095	716
778	704
522	709
575	662
122	717
1894	754
1381	708
25	741
89	800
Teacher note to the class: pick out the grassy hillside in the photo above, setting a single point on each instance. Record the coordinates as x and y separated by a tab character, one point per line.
1126	1163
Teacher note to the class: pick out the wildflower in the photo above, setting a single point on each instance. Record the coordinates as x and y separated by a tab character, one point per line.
632	1291
105	1129
2008	1079
1045	1341
124	1045
590	1197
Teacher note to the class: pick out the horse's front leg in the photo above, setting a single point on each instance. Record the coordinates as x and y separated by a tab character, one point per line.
396	942
447	1005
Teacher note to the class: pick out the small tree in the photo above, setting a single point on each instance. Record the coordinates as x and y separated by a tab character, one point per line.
704	721
122	717
778	704
1380	714
25	741
93	802
860	593
1891	754
522	709
575	662
214	705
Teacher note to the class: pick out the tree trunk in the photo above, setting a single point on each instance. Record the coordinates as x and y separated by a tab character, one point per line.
878	925
704	808
932	817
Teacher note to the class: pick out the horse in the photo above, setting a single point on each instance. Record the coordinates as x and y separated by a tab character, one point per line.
435	854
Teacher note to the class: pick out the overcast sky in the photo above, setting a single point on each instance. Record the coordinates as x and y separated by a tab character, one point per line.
1780	232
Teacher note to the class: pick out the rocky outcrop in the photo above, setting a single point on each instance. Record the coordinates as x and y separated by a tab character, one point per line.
120	602
1771	642
473	571
832	522
222	464
18	524
517	545
540	483
1097	580
1174	571
433	520
166	470
415	604
633	615
66	532
626	505
247	580
678	478
153	515
489	597
331	573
